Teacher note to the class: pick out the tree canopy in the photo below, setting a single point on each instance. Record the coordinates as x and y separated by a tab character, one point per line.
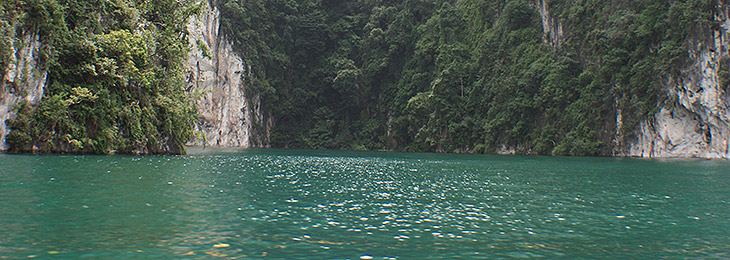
115	75
462	76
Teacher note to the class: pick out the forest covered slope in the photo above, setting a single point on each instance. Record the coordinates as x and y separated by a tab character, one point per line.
514	76
112	75
561	77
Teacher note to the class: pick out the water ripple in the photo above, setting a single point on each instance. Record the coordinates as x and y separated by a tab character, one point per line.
322	205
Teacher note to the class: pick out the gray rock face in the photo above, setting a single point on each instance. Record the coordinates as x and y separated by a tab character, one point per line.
21	81
552	28
698	124
216	79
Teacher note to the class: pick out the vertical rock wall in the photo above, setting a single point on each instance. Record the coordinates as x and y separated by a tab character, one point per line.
552	28
698	123
216	79
228	117
21	80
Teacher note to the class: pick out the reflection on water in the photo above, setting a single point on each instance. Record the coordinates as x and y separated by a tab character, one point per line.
284	204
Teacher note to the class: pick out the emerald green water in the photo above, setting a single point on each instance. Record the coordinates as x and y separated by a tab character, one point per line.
280	204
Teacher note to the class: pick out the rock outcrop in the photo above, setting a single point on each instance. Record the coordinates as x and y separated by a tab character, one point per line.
22	79
552	28
216	79
698	123
694	123
229	116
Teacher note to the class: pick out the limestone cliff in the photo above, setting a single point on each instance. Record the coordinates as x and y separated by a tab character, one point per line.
552	28
216	79
698	123
22	79
228	115
695	122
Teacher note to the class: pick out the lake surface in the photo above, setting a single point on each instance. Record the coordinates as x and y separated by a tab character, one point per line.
288	204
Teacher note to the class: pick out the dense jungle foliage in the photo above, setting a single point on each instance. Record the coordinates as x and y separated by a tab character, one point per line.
115	75
463	76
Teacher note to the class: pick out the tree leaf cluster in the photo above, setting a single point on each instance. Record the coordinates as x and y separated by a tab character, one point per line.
463	76
115	77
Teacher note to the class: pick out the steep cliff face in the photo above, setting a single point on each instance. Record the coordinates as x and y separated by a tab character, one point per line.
698	123
228	116
695	122
22	79
552	28
216	78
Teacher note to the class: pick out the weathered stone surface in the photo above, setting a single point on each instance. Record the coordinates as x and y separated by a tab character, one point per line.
697	125
22	80
217	80
552	28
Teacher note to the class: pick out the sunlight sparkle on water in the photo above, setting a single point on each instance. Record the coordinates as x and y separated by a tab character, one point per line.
312	204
